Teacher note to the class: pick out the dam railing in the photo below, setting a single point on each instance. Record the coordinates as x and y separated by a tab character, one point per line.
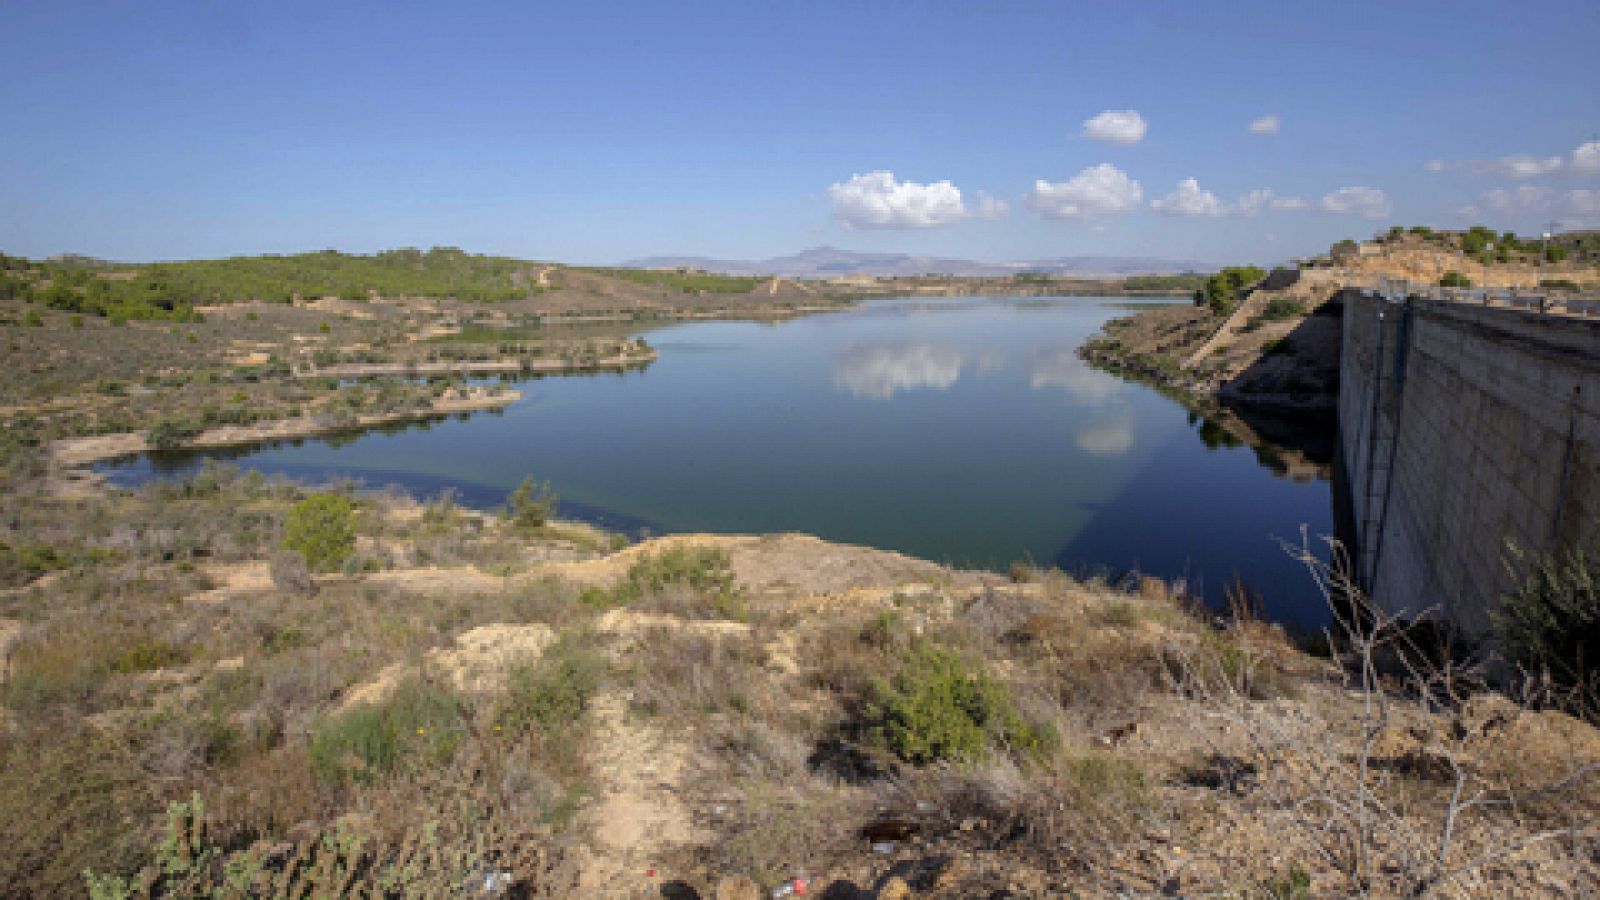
1581	303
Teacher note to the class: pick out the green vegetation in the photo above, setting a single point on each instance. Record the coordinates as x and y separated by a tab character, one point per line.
1224	290
171	290
1550	622
1454	279
688	281
550	697
418	722
321	528
940	706
1280	308
1186	283
167	435
706	572
531	505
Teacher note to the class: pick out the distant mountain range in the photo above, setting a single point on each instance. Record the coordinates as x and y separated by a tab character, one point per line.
831	262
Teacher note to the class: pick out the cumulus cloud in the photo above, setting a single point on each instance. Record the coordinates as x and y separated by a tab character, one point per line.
1117	126
1522	201
878	200
1060	368
987	207
1367	202
1574	208
1189	199
1586	159
882	370
1524	166
1097	191
1267	124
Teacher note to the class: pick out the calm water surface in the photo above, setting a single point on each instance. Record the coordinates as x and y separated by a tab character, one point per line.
962	430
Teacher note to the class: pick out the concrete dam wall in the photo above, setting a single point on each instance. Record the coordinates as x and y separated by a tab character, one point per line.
1463	428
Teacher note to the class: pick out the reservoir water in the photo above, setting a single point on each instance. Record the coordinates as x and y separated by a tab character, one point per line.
962	430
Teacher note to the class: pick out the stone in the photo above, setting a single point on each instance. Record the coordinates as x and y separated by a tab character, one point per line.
737	887
894	889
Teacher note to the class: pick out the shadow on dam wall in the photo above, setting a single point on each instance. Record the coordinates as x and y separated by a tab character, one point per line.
1463	431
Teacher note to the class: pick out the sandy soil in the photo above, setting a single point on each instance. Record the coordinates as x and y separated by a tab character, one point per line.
74	452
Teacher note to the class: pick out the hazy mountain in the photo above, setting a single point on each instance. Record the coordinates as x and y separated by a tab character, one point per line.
831	262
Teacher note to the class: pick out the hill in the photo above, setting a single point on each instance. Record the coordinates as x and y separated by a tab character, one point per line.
832	262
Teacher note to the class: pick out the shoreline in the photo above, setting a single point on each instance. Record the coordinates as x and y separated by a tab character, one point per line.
491	366
70	455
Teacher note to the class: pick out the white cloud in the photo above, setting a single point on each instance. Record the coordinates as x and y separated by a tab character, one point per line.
877	200
1586	159
1574	208
881	370
1522	201
1262	198
1189	199
988	207
1097	191
1267	124
1519	167
1118	126
1367	202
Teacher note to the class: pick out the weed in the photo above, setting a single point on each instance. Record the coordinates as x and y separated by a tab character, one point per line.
419	721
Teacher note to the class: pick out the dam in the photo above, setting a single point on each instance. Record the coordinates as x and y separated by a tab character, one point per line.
1465	429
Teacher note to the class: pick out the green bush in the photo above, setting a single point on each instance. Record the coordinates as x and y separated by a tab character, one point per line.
1454	279
321	528
417	722
707	571
1280	308
531	505
1550	623
169	434
940	707
551	696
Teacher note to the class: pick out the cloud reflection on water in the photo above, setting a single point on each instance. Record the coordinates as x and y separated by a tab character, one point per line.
1061	368
882	370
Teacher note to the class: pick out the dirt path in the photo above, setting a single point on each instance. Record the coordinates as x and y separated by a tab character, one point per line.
637	814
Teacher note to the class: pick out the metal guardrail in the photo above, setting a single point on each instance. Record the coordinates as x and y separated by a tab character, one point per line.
1585	304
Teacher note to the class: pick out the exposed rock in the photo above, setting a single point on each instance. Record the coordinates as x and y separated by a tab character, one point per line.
737	887
894	889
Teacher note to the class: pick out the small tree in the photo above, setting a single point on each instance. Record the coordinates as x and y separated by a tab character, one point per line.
321	528
168	434
531	505
1454	279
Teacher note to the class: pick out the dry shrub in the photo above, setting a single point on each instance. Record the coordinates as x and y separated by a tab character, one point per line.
680	674
69	798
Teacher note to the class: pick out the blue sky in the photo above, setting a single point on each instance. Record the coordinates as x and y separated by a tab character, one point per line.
599	131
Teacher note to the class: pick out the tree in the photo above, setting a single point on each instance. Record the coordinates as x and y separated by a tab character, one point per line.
1224	289
531	504
321	528
169	434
